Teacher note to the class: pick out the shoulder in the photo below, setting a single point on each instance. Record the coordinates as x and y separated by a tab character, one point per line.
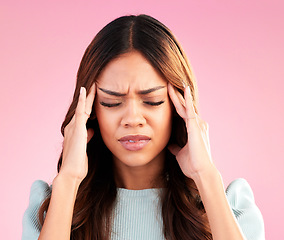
40	190
241	199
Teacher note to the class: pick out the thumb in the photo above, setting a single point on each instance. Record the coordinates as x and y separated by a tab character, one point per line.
90	133
174	149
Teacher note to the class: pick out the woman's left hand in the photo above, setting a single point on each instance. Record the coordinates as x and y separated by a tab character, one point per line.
195	156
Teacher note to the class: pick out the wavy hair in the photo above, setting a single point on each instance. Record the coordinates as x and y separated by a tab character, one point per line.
183	213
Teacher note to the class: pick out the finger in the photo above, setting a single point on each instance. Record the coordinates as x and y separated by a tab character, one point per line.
90	99
190	111
176	101
179	96
193	121
206	136
81	116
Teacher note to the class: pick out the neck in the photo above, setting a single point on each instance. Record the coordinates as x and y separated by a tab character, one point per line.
140	177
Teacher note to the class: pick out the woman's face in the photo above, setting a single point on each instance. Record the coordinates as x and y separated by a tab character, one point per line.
133	110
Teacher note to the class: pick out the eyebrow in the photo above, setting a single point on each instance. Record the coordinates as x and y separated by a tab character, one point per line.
142	92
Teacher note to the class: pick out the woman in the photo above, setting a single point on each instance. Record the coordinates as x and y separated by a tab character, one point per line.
136	160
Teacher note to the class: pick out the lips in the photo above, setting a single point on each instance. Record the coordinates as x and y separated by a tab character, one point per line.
134	142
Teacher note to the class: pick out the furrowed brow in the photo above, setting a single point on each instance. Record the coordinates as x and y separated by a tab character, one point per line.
113	93
143	92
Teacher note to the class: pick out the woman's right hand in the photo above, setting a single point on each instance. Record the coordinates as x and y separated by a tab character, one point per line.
76	137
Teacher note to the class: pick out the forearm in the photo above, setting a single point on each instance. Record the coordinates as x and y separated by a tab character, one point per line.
221	218
57	224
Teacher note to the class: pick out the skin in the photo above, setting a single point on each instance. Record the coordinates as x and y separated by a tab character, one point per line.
141	169
130	74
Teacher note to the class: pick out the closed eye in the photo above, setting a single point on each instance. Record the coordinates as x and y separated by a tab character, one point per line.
109	104
154	103
117	104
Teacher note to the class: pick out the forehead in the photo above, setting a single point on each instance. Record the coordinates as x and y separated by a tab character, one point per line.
130	71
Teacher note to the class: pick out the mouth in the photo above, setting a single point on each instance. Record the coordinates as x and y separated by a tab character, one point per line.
134	142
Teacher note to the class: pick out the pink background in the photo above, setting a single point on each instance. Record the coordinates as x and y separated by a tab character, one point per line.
236	48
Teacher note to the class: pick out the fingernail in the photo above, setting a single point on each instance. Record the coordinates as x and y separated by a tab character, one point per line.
81	90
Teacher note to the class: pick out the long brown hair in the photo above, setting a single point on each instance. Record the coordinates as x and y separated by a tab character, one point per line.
183	213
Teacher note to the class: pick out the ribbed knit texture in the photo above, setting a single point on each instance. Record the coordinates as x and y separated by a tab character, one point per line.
137	213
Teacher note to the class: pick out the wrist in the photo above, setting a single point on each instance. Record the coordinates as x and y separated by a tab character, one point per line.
209	175
66	181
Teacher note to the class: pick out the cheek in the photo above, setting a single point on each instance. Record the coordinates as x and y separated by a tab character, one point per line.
167	112
163	119
107	128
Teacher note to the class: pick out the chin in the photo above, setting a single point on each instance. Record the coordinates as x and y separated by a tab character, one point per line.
134	160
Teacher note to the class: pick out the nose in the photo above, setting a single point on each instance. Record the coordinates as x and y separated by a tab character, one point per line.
133	115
